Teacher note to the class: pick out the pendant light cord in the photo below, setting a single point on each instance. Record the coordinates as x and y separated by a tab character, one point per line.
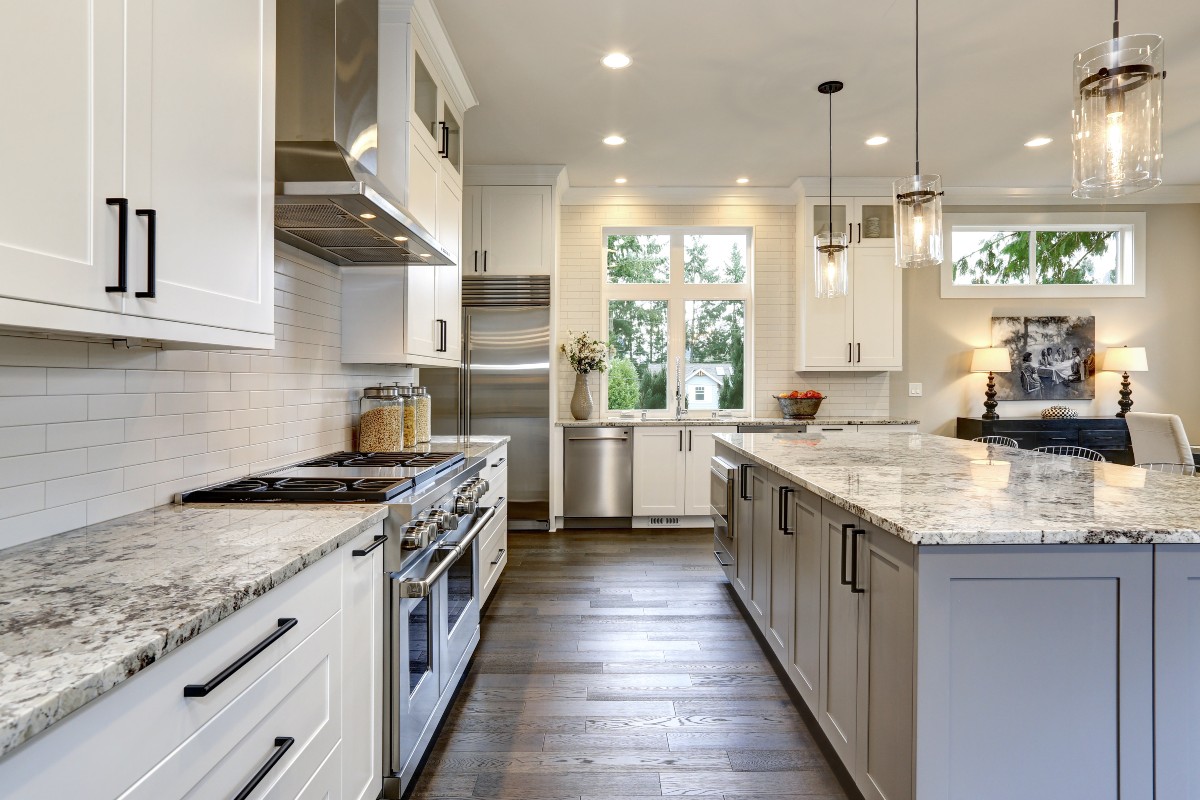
830	167
917	82
1116	21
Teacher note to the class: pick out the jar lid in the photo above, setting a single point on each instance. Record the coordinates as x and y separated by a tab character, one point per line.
420	391
404	391
381	392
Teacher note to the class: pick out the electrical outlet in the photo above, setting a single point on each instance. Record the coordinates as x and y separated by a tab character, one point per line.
914	390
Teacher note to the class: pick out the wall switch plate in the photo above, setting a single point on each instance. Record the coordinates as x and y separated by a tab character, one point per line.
914	390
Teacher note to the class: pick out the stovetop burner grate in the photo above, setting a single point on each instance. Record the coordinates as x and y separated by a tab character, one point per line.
398	459
303	490
309	485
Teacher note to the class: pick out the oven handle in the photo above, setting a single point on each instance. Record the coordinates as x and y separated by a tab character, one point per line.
408	587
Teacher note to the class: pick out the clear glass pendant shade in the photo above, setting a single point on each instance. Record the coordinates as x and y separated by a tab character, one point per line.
832	272
1117	117
917	203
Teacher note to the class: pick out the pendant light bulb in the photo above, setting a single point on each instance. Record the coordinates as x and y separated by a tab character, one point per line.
1117	117
831	256
917	199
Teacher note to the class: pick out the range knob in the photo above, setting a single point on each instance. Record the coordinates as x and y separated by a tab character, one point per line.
464	503
445	520
417	534
482	487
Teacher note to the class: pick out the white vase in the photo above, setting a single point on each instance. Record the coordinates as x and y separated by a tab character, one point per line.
581	401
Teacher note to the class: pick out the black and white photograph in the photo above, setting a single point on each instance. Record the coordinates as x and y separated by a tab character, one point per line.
1053	358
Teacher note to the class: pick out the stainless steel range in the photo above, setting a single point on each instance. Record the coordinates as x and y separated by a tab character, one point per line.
431	559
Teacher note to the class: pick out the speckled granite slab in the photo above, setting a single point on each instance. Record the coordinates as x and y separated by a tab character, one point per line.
933	490
637	422
472	446
85	610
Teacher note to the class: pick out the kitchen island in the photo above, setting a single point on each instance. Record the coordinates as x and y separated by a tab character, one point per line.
974	621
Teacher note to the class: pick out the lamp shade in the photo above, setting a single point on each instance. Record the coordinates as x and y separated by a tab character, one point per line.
991	359
1125	359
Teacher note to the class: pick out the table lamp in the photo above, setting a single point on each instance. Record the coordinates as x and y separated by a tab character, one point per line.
991	360
1125	360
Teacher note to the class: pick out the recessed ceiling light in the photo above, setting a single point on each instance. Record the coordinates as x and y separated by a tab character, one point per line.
1039	141
875	141
743	180
400	238
426	255
614	140
616	61
367	215
619	180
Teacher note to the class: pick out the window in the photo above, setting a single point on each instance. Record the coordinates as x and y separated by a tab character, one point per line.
1044	255
678	305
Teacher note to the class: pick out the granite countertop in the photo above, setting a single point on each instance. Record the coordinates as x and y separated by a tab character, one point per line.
471	446
82	611
932	490
638	422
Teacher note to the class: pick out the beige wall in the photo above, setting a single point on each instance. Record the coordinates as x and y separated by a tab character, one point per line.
940	333
581	272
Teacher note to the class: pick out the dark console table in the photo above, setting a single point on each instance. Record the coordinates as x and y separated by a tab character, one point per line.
1107	435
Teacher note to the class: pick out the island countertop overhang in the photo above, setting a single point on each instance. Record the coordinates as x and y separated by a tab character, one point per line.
933	490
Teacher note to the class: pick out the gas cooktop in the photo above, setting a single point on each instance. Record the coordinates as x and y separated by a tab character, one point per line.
337	478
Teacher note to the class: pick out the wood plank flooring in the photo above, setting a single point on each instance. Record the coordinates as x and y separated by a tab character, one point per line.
615	666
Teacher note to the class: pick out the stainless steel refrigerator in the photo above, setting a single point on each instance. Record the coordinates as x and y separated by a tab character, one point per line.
503	385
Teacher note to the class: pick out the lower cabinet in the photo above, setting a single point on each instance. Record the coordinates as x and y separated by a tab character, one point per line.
1176	654
804	665
762	530
838	641
308	705
671	467
493	550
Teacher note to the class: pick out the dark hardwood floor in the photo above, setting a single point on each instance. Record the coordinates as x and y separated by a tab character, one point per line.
614	665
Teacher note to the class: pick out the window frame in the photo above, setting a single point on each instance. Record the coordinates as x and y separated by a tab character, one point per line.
1132	258
676	292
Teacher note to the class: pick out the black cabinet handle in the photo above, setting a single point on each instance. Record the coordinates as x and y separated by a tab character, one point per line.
442	335
846	526
854	587
203	689
441	138
374	545
485	260
122	243
860	352
282	745
499	556
717	555
859	240
784	493
689	440
849	352
445	140
744	480
501	461
151	249
477	261
681	440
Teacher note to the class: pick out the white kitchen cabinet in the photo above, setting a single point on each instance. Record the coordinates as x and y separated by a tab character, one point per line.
400	315
659	471
508	230
744	533
168	106
449	276
493	552
862	331
781	602
700	447
423	180
763	528
804	666
362	657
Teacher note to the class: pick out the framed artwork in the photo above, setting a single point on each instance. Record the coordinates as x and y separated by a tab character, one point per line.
1053	358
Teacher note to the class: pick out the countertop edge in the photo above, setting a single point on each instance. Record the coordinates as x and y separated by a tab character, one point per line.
59	706
757	422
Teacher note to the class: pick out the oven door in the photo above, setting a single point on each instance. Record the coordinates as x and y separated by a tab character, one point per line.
415	675
722	485
461	587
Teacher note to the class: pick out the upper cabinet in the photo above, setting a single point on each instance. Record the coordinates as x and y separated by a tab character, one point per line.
508	230
862	331
147	213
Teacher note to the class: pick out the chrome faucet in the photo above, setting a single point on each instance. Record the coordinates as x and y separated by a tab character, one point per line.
681	401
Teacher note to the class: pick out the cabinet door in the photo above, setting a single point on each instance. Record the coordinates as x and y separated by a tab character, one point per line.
818	213
763	531
744	533
472	230
783	579
874	222
700	448
452	138
423	333
659	470
877	291
362	664
517	232
827	326
837	704
449	216
449	277
201	143
62	151
423	91
423	181
804	667
1176	654
886	665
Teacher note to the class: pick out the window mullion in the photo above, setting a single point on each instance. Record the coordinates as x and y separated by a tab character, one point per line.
1032	278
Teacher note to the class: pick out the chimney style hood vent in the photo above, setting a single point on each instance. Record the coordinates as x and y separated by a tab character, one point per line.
328	200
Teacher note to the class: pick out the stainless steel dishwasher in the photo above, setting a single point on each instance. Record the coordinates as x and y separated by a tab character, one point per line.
598	476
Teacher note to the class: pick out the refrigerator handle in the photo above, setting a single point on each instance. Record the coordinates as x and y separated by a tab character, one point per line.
465	403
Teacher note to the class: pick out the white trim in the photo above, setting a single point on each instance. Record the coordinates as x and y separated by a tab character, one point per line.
682	196
514	175
422	15
807	187
1133	260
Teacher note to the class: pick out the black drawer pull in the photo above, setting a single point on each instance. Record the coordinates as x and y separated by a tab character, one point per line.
501	461
744	480
499	556
282	745
854	587
717	555
846	526
375	544
122	244
202	690
151	246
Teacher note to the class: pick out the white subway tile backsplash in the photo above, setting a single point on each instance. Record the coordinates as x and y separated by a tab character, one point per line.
145	380
27	527
84	381
68	435
228	401
120	406
22	499
206	422
17	381
37	409
181	403
115	505
185	360
17	470
22	440
29	351
120	455
206	382
153	472
83	487
153	427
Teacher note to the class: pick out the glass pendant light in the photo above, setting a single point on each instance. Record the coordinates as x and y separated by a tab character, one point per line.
917	207
831	271
1117	139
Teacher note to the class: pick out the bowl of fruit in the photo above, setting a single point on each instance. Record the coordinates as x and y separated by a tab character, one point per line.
799	405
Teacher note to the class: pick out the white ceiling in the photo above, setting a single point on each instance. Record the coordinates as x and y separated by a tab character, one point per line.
723	89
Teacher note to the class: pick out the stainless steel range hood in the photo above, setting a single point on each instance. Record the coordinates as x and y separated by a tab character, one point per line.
328	200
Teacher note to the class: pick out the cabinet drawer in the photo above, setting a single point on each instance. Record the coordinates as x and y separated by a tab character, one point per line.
1103	439
832	429
150	707
497	462
498	489
298	698
495	559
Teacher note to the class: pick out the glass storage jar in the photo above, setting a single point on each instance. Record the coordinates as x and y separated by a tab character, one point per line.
409	418
424	414
381	420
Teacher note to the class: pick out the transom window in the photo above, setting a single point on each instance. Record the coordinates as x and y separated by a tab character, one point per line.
1044	255
677	307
